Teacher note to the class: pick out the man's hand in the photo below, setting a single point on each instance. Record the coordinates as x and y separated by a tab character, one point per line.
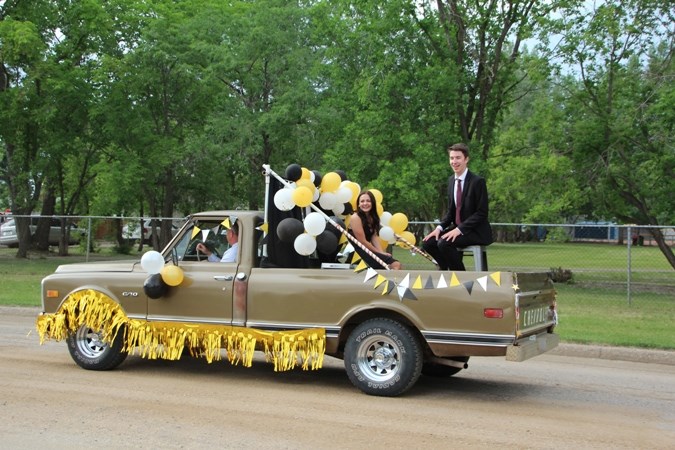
433	234
202	248
452	235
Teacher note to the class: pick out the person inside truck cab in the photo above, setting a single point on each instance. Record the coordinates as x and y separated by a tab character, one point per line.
230	254
364	225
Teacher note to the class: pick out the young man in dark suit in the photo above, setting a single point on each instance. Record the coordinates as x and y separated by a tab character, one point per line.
464	225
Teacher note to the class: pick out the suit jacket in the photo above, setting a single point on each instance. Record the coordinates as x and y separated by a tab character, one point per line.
474	211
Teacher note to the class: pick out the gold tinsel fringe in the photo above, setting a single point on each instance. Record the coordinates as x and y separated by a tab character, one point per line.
168	340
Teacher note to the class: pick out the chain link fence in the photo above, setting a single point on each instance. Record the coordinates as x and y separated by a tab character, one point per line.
591	262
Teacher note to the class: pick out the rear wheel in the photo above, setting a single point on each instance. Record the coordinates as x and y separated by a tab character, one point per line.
90	352
383	357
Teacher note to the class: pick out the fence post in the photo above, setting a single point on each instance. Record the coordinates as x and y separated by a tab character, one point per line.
86	257
629	238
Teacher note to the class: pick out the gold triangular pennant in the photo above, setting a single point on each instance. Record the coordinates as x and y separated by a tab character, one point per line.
496	277
454	281
418	283
361	267
380	279
195	232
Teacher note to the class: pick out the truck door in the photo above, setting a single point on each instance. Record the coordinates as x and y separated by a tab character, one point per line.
205	294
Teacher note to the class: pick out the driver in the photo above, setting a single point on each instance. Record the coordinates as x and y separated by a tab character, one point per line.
230	254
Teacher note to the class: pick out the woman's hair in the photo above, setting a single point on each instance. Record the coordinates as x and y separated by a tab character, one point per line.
375	218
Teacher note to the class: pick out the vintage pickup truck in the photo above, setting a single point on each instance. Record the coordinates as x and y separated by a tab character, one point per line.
388	326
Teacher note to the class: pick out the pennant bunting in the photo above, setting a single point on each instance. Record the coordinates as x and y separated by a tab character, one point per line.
380	279
361	267
406	281
205	234
429	284
226	223
418	283
441	283
496	277
370	274
469	286
454	281
388	287
195	232
483	282
264	227
408	294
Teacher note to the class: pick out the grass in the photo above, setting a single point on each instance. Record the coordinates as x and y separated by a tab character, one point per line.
593	308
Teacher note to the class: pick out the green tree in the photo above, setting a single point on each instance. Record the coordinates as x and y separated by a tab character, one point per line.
621	131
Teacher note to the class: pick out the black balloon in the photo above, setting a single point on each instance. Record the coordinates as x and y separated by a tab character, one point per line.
343	175
326	242
154	286
317	178
293	172
337	220
290	228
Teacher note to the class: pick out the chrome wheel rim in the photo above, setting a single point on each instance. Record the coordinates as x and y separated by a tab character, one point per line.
379	358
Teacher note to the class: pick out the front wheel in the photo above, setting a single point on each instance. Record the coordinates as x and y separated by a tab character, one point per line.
90	352
382	357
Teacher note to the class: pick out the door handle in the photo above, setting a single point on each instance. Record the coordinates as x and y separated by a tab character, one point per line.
223	277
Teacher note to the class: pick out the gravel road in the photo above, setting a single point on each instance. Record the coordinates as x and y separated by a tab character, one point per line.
578	397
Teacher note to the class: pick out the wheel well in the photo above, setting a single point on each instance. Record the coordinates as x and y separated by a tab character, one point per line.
362	316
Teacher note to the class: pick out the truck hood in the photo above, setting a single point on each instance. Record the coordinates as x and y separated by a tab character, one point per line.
104	266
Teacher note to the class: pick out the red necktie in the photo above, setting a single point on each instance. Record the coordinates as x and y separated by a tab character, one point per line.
458	202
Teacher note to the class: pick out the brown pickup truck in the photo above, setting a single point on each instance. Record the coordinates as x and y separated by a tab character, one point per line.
388	326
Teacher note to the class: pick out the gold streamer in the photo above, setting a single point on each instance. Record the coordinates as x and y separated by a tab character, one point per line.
168	340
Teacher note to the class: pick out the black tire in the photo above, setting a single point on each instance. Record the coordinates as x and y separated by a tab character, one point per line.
383	357
91	353
430	369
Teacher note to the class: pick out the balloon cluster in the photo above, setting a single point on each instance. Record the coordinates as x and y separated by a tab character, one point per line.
332	192
335	194
160	276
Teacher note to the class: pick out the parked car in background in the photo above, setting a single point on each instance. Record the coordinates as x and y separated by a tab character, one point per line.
132	230
9	237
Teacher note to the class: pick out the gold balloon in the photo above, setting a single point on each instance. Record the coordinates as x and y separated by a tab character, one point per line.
302	196
399	222
172	275
307	183
330	182
306	174
378	195
408	236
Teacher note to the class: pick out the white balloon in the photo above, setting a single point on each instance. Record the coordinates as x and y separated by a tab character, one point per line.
305	244
283	199
387	233
338	209
344	194
385	218
327	200
315	196
152	262
315	223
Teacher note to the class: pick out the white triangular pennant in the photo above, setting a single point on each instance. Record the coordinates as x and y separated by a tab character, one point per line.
483	282
441	282
370	274
406	282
